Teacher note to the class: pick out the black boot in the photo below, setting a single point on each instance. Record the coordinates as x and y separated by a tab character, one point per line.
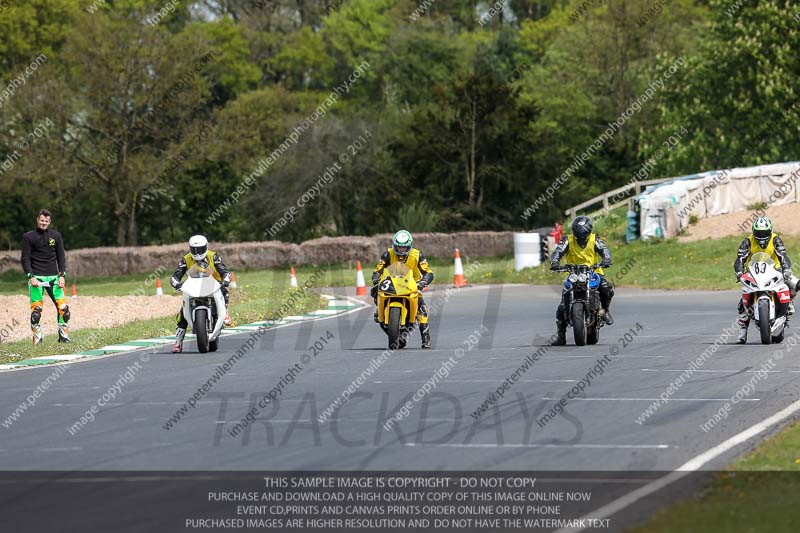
606	315
561	339
425	333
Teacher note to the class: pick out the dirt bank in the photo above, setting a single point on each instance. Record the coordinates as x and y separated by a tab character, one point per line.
86	311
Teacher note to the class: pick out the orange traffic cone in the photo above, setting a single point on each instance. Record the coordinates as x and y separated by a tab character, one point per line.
159	289
293	278
234	285
361	286
458	276
74	291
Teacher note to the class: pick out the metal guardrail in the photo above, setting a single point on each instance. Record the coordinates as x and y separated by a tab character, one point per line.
606	196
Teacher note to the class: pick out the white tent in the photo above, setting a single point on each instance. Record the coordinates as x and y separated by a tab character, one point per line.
665	208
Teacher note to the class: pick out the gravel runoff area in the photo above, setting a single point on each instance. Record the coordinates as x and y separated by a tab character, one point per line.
785	219
86	311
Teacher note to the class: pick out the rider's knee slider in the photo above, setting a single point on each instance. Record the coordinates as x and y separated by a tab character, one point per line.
36	315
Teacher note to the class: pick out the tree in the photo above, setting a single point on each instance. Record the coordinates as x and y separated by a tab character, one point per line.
737	95
586	71
126	99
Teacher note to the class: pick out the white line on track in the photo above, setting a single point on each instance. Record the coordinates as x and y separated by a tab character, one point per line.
287	421
485	381
673	335
688	467
596	356
589	446
716	371
654	399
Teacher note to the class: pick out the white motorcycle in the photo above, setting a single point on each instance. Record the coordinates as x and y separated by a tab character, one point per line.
203	307
766	292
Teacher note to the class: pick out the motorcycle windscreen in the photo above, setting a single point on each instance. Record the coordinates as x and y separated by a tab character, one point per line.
762	268
201	283
758	260
402	277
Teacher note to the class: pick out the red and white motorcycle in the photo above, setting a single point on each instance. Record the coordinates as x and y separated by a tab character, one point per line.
766	293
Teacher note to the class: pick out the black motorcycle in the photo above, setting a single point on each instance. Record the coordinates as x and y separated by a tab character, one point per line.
582	303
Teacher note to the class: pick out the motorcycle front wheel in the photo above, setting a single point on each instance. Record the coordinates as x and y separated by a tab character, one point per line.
201	330
393	329
763	322
578	323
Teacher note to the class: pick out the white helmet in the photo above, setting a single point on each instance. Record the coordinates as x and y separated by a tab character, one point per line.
198	247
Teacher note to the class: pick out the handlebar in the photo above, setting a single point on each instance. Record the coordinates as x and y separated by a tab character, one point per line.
576	268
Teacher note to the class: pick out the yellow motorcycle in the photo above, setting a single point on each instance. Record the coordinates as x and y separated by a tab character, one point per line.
398	302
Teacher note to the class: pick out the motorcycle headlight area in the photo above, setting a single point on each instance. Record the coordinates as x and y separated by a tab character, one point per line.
573	278
582	278
387	286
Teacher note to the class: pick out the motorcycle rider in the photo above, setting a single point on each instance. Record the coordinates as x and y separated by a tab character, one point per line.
403	251
583	247
44	263
762	239
200	255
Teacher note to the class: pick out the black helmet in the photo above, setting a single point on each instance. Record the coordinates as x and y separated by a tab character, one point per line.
581	229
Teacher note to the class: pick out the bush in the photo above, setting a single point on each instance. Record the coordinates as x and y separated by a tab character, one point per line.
417	217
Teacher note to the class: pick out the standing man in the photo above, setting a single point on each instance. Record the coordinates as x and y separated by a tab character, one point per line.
44	262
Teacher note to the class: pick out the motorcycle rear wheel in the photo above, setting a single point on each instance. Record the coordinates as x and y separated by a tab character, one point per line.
763	322
578	323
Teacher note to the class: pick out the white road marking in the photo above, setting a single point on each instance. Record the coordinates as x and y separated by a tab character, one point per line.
287	421
588	446
65	357
688	467
654	399
672	335
715	371
120	347
596	356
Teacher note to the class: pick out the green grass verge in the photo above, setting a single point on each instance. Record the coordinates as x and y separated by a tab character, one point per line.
253	302
743	499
